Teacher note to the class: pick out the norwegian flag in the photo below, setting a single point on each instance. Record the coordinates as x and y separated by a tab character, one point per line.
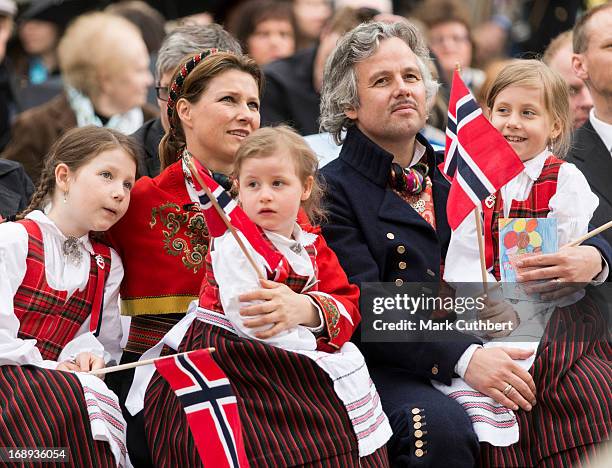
237	217
212	412
478	159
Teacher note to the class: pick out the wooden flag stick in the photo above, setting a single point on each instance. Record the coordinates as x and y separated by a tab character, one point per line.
481	250
223	216
131	365
588	235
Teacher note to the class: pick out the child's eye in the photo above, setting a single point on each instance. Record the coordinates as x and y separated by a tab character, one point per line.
106	174
277	183
502	110
252	184
529	113
128	186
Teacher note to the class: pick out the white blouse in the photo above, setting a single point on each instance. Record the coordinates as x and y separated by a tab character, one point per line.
236	276
572	205
63	275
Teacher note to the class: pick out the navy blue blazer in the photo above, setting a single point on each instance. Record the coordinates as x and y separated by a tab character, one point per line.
378	237
590	155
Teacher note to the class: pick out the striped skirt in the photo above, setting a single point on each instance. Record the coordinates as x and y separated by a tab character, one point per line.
573	377
289	411
46	408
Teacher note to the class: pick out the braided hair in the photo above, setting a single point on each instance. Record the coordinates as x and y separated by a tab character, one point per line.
76	148
190	80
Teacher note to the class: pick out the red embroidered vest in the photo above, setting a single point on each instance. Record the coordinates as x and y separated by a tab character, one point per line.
209	293
162	241
45	314
535	206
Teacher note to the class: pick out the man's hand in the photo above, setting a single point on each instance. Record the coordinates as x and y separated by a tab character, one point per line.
567	271
492	370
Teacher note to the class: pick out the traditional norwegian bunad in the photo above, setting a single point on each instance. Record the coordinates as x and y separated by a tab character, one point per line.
304	396
162	240
54	306
571	368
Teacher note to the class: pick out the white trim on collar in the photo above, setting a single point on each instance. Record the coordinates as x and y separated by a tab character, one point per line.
419	151
533	167
603	129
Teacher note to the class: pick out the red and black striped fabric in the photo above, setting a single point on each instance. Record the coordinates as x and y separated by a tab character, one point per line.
535	206
43	312
46	408
573	379
288	408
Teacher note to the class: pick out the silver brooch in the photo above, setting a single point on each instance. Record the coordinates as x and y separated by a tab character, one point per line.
70	248
296	248
490	201
419	206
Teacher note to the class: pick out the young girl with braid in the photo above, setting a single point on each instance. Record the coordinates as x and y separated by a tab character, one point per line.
59	302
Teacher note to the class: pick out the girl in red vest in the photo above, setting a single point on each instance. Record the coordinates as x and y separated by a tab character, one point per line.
59	302
528	103
290	410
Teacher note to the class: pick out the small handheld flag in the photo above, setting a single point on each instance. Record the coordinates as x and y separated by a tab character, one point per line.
222	213
478	159
210	404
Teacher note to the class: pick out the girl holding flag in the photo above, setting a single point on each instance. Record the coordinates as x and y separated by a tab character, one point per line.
528	104
59	303
288	407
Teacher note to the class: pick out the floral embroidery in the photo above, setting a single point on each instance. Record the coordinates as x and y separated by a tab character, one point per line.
332	314
192	243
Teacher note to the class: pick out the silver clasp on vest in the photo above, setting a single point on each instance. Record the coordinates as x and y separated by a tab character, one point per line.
490	201
100	262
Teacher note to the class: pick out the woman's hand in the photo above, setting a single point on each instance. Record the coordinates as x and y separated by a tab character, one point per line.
499	312
566	271
282	307
492	371
84	362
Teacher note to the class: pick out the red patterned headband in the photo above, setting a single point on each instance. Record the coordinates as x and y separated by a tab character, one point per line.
177	84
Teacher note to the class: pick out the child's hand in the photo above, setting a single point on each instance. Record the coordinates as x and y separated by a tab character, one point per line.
88	362
282	307
499	312
67	366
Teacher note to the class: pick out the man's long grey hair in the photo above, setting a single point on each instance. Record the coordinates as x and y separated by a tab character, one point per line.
339	91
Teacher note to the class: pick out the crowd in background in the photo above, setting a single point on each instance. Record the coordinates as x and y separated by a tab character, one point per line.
53	67
73	63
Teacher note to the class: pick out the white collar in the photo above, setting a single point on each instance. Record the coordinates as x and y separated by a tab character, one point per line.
419	151
298	236
533	167
43	220
603	129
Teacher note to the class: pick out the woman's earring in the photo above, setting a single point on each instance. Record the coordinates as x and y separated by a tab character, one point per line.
65	196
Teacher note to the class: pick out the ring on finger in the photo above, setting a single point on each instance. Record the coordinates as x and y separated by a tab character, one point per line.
507	390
